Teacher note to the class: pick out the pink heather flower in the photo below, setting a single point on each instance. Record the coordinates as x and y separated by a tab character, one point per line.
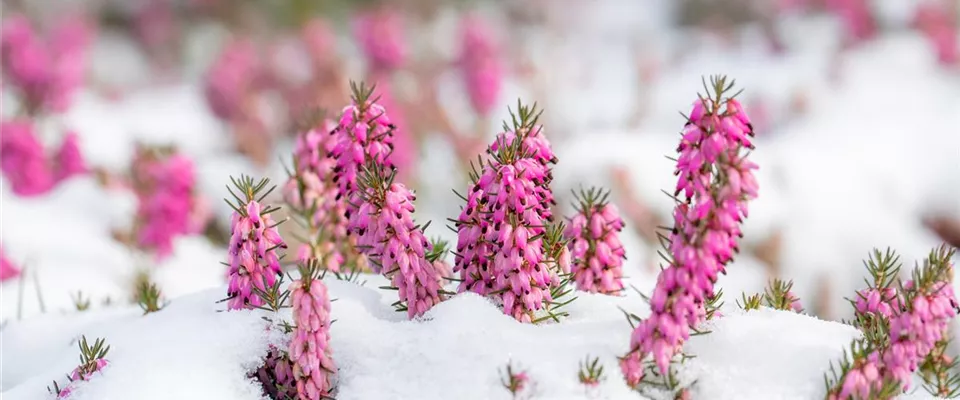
940	27
917	323
69	161
8	270
46	71
23	160
706	228
231	79
276	375
317	198
877	301
595	246
858	22
387	234
254	240
364	134
310	353
480	64
380	34
167	201
92	360
501	246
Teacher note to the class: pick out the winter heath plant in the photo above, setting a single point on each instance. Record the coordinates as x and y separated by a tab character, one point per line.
396	246
715	182
313	196
895	346
253	263
91	361
503	249
595	245
313	366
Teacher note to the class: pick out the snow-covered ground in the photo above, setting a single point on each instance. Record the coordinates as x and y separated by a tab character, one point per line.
870	155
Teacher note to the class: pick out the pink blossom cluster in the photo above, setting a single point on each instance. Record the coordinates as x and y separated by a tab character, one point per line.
501	248
856	17
918	318
232	79
253	258
716	181
311	191
8	270
82	373
404	145
596	249
397	247
480	64
310	353
363	135
26	165
934	19
47	71
880	301
380	34
276	375
168	205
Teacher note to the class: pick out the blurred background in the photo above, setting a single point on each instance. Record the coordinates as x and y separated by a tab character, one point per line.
856	105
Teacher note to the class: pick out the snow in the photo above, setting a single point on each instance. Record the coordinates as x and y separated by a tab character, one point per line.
192	350
873	152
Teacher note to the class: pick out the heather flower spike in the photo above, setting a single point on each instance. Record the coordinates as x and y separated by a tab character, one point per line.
168	206
364	134
503	247
254	241
312	194
591	373
313	366
92	360
714	184
396	246
595	246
